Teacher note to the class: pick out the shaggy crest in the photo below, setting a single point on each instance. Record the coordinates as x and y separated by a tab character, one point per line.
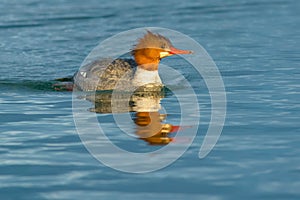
152	40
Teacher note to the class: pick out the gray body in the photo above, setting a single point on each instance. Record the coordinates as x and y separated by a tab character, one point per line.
104	74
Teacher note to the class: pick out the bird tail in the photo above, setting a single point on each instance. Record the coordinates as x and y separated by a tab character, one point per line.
65	79
64	84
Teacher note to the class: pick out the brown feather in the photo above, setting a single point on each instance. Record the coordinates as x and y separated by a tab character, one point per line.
147	51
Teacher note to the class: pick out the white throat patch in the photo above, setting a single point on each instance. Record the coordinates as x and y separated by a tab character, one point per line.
142	77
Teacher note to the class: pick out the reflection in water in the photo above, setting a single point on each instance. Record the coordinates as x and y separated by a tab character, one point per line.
145	104
151	129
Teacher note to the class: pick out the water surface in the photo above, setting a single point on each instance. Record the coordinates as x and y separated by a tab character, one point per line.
256	47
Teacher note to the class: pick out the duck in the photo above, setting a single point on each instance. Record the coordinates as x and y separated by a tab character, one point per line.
140	70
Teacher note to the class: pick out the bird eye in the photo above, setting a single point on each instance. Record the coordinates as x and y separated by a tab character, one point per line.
163	46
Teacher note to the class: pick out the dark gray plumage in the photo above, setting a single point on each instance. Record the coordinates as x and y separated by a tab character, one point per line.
104	74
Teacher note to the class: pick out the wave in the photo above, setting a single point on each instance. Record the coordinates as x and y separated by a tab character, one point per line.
37	85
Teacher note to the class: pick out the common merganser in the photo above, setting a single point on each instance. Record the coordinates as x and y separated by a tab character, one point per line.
142	70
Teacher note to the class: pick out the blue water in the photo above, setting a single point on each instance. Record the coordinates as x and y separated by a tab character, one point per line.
255	44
